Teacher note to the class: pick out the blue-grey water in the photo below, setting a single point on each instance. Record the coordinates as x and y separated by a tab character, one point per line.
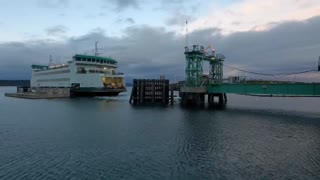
106	138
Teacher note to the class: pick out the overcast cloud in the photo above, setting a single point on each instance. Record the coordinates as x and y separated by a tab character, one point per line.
121	4
145	50
56	30
148	50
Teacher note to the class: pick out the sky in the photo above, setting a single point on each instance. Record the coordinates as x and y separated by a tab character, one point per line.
148	37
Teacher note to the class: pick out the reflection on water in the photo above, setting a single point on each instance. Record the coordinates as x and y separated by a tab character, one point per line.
107	138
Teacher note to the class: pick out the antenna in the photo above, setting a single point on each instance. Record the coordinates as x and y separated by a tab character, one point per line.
96	49
186	33
319	64
50	61
96	53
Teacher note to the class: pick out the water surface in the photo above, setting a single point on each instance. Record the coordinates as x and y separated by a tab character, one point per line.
106	138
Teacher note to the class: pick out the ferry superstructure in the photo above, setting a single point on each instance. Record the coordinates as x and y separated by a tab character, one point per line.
86	75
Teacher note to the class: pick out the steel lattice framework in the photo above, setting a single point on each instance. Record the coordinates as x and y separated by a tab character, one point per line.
195	56
216	69
197	84
194	70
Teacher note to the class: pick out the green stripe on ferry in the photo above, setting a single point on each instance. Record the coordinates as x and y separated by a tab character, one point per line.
94	57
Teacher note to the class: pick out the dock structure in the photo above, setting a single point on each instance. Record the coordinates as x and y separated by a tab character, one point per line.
198	86
40	93
151	91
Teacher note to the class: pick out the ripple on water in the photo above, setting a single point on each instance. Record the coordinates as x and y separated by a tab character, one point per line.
105	138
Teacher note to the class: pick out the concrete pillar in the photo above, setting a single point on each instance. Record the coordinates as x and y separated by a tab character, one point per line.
220	99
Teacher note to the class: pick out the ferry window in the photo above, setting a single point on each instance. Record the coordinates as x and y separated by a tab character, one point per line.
83	59
93	60
89	60
78	59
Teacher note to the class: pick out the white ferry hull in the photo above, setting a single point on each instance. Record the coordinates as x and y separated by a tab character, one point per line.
89	92
89	78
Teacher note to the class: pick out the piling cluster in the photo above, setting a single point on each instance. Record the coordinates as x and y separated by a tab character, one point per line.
148	91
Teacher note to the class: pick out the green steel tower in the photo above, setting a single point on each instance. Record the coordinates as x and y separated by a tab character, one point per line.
195	56
194	69
216	69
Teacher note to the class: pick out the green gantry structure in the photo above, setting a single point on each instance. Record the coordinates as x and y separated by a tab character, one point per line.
195	57
197	84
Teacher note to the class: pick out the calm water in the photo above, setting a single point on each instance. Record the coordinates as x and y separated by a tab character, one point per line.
106	138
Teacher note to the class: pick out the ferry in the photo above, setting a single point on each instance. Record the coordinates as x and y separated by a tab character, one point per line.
85	75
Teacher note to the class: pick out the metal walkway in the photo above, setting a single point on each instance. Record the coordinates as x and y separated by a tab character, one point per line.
297	89
197	85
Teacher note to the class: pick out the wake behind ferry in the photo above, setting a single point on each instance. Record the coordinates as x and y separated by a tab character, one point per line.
86	75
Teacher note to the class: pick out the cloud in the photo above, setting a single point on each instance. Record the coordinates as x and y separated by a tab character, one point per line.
98	30
129	21
53	3
173	6
102	14
146	52
120	5
178	19
58	30
256	15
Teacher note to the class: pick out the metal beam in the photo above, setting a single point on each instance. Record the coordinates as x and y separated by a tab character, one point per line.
299	89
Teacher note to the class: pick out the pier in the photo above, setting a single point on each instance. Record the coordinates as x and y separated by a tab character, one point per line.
151	91
197	86
195	89
40	93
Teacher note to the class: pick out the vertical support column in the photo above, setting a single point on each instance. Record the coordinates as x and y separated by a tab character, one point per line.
221	99
153	90
171	94
210	99
202	99
141	98
163	83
